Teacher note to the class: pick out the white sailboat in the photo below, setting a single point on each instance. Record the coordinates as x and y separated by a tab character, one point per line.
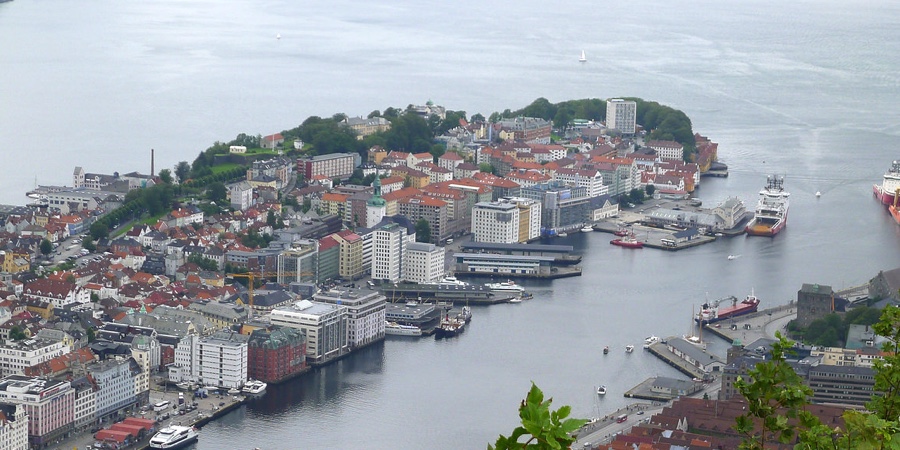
583	58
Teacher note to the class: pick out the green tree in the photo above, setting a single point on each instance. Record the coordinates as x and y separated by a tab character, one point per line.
203	262
774	393
217	192
46	247
650	189
541	428
166	176
271	220
182	171
423	231
486	168
88	244
437	150
636	196
91	334
99	230
16	333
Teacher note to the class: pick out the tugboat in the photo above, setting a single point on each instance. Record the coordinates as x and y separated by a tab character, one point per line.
450	327
628	241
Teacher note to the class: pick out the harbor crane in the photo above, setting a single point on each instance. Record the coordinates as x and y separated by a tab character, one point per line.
262	275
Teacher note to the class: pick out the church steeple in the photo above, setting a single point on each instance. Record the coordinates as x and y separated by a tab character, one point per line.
376	199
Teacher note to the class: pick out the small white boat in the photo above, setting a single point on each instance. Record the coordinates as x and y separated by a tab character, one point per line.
601	390
629	348
587	229
278	36
732	257
818	194
234	391
650	340
515	300
583	57
563	234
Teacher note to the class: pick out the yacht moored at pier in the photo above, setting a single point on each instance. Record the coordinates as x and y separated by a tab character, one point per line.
254	387
772	209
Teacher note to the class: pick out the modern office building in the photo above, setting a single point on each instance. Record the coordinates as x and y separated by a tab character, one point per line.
15	356
334	165
325	327
222	359
388	248
365	314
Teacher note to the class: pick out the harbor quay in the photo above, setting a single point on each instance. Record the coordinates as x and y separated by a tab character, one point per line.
762	324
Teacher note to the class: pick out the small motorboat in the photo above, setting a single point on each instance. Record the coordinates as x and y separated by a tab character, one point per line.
606	350
601	390
629	348
515	300
818	194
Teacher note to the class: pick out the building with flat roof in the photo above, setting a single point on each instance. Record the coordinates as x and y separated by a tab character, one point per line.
695	355
324	324
495	222
16	356
334	165
844	385
365	314
424	263
621	115
49	404
502	265
222	359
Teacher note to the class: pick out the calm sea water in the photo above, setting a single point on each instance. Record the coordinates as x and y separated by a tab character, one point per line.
804	89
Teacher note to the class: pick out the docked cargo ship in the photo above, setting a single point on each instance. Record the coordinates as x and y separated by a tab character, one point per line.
771	210
890	183
711	313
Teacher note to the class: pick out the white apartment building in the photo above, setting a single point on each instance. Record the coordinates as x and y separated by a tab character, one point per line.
388	247
85	404
667	150
222	359
495	222
334	165
15	356
424	263
325	326
529	217
184	368
49	404
592	179
365	312
621	115
13	427
115	379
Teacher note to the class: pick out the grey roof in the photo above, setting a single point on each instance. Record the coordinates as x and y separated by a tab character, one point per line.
672	383
844	370
694	352
517	247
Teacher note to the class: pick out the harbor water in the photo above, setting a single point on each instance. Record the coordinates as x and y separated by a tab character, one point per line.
98	84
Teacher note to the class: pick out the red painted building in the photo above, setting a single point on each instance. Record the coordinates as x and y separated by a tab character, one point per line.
276	355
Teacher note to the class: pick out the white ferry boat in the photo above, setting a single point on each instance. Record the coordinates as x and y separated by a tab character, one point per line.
395	329
507	286
254	387
174	436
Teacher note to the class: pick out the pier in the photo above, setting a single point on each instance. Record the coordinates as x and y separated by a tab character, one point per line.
751	327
